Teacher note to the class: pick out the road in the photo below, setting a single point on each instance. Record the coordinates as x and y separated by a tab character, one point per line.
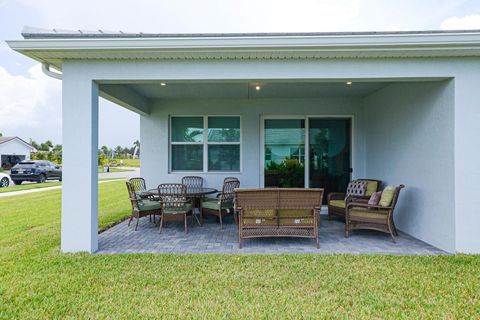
135	172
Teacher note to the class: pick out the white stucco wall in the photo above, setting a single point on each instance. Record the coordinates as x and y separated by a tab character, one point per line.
409	131
155	145
464	71
15	147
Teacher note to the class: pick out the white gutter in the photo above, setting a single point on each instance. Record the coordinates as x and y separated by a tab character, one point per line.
50	73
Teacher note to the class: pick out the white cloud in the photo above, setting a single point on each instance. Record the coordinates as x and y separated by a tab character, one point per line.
464	23
28	102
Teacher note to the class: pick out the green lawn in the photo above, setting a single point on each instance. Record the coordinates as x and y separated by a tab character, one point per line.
129	162
31	186
37	282
40	185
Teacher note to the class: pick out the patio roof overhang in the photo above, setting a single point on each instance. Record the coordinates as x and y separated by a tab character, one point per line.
52	46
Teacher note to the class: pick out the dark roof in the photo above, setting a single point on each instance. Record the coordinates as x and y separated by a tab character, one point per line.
38	33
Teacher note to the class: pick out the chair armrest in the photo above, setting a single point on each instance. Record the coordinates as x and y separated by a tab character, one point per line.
335	196
358	199
366	205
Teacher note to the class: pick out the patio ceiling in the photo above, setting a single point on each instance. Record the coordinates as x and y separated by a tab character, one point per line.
247	90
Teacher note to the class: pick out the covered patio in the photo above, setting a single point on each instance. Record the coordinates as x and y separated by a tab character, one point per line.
408	103
211	239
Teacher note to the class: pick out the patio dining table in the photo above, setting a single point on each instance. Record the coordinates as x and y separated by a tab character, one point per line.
193	193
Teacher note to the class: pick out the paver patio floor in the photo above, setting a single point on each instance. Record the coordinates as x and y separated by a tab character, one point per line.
209	238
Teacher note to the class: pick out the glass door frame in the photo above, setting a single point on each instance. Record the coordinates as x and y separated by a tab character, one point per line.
307	142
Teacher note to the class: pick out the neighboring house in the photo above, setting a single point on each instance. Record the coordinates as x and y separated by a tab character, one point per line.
403	107
13	150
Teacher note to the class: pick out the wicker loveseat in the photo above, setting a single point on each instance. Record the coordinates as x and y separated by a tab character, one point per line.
278	212
337	203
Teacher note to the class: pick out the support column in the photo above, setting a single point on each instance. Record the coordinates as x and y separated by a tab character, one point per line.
467	153
80	162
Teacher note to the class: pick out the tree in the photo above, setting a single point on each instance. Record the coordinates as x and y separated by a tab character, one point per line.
104	150
34	144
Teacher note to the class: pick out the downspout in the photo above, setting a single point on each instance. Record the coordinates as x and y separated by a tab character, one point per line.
50	73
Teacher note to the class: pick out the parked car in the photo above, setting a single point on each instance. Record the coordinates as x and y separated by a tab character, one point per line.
4	180
35	170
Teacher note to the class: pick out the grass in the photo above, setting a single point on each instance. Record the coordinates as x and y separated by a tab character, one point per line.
40	185
129	162
37	282
31	186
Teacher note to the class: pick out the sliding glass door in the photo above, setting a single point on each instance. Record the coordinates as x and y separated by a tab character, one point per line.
329	165
313	148
284	153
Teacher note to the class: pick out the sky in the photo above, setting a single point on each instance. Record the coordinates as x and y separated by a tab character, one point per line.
30	102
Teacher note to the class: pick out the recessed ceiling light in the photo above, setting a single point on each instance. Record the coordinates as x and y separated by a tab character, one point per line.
257	87
163	84
349	83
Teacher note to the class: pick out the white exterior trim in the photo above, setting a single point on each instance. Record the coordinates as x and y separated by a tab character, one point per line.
54	51
204	143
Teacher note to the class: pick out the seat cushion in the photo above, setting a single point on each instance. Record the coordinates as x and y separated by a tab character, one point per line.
366	214
210	203
178	210
291	220
372	186
337	203
260	217
387	196
145	205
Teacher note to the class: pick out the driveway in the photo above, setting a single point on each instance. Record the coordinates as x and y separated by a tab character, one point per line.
134	172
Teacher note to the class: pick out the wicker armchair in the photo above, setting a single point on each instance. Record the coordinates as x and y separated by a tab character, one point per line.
192	182
337	203
138	184
223	204
174	203
361	215
142	207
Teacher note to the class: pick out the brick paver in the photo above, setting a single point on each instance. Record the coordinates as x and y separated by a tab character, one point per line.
211	239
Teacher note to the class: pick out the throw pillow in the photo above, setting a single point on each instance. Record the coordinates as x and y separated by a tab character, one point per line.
356	188
375	198
387	196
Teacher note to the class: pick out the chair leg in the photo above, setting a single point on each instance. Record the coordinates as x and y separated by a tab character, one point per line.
391	232
185	220
220	216
161	222
318	243
138	220
347	226
130	221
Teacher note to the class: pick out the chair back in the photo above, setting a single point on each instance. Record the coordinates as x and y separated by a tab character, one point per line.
138	184
134	198
173	196
228	192
193	182
396	194
230	178
299	198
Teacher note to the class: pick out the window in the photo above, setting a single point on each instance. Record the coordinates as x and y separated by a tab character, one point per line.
205	143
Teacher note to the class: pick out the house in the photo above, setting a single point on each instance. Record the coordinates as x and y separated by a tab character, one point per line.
403	107
13	150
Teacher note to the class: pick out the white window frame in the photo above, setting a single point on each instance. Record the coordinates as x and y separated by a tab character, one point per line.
205	143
